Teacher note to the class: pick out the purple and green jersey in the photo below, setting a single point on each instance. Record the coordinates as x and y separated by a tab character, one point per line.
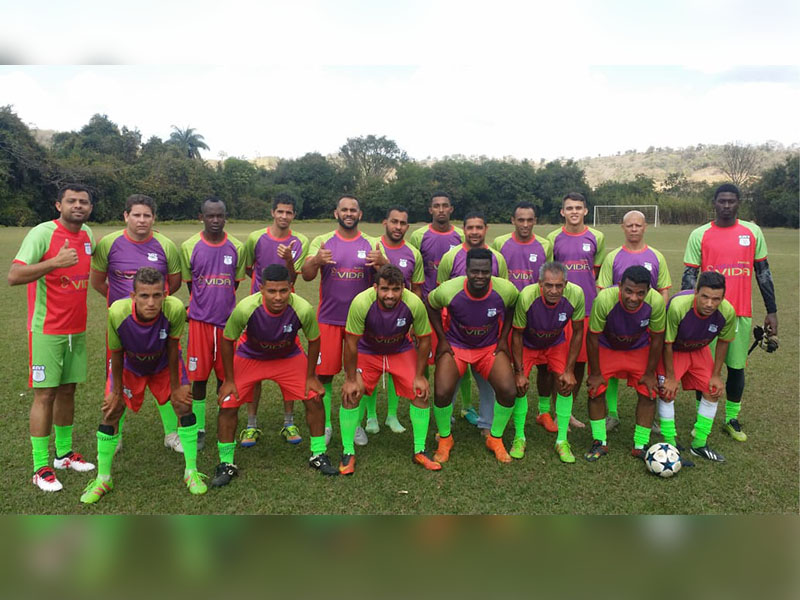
345	278
213	270
263	335
433	245
144	342
687	330
542	324
580	253
524	259
454	264
261	250
119	257
406	258
386	331
474	322
621	329
619	259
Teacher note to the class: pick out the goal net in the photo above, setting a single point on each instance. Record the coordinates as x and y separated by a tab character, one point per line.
611	214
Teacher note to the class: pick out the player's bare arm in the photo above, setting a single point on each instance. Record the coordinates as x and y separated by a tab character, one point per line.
567	381
670	387
228	387
422	387
517	362
181	394
715	384
352	389
595	378
312	265
656	349
113	403
313	384
502	343
19	273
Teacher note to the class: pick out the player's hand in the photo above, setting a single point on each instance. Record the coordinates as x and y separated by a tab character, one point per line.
566	382
715	387
422	388
593	383
182	395
502	346
670	389
650	381
313	384
522	384
112	404
285	251
375	258
324	257
442	348
771	324
66	257
228	388
351	393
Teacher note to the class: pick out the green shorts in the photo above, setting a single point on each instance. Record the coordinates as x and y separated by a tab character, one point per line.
56	359
737	351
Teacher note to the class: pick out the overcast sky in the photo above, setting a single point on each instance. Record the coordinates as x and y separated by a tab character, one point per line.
493	78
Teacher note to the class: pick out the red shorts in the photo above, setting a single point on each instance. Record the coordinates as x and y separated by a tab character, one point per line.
582	358
555	357
288	373
203	351
330	349
402	367
693	369
481	359
133	386
624	364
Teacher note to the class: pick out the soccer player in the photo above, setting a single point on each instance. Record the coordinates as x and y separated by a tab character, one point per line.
581	249
694	319
119	255
276	244
477	305
408	259
625	340
212	265
737	249
523	252
266	325
377	342
634	251
143	335
54	261
345	259
540	317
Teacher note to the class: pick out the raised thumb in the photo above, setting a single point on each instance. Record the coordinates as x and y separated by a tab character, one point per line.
66	243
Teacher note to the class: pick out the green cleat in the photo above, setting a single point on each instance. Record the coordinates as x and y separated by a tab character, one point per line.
194	481
96	489
565	452
393	424
517	448
249	436
733	429
372	426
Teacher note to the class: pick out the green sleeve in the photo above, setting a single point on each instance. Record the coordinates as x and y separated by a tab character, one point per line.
240	316
415	239
547	246
117	313
171	252
176	315
317	243
422	326
664	280
526	297
497	243
574	295
186	257
301	256
418	276
658	316
502	266
241	258
305	313
693	256
728	332
551	237
507	290
35	244
89	232
761	243
460	233
601	247
357	314
250	247
602	305
444	293
446	265
605	278
675	313
100	256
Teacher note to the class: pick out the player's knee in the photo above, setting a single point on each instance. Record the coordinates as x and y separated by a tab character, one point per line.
349	403
442	399
734	386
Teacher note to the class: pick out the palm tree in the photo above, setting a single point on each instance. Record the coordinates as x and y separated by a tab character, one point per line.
188	141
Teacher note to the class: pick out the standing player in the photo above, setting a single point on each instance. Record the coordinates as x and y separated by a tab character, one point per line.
54	261
523	252
143	335
276	244
377	342
212	264
581	249
266	327
736	249
477	305
625	340
119	255
540	317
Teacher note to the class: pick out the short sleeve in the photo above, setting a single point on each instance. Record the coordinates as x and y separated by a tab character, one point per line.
605	278
116	315
446	266
239	317
574	295
600	255
307	318
507	291
600	308
301	257
418	275
664	280
250	248
658	316
692	257
728	332
315	246
524	301
422	326
34	246
675	314
176	315
241	258
502	266
357	314
100	256
186	259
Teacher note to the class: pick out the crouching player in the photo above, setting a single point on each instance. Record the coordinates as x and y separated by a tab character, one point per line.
266	325
143	336
694	319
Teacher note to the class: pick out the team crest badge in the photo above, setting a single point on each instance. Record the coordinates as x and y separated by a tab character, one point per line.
454	246
227	259
162	334
37	373
193	363
402	263
644	322
713	328
362	254
294	253
401	322
532	257
492	312
287	328
587	247
128	393
152	257
87	247
744	240
562	316
319	359
648	266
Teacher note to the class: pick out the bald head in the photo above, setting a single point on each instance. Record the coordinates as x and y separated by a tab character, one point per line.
633	226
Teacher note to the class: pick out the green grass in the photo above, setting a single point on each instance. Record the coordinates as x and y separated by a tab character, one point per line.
760	476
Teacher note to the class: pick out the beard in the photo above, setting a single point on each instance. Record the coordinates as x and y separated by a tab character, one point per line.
348	227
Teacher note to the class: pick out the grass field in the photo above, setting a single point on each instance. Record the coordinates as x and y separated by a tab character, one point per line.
760	476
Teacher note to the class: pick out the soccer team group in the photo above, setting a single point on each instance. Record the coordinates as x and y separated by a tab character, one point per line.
389	309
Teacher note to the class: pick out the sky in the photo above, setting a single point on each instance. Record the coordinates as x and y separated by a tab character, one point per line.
522	79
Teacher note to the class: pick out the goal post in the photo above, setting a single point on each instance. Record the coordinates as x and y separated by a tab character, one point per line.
605	214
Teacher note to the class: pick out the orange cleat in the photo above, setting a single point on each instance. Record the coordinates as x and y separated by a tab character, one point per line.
442	454
546	421
348	464
423	459
496	445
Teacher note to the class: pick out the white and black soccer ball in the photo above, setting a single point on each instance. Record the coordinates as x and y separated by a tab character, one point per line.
663	459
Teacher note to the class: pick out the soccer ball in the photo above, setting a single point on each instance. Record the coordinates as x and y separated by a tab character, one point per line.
663	460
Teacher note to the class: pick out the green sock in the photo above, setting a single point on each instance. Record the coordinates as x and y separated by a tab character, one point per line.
732	410
199	410
392	399
668	431
106	445
519	415
362	411
318	445
702	429
326	402
465	390
442	415
41	451
544	404
420	417
349	418
370	403
612	395
226	450
502	414
188	437
168	417
598	429
563	412
641	436
121	422
63	439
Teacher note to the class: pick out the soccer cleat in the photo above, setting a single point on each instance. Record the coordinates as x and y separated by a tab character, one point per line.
249	436
322	463
328	435
223	474
733	429
373	426
348	464
686	462
564	452
393	424
73	461
422	458
495	444
194	481
291	434
360	438
201	440
471	415
517	448
96	489
171	440
442	454
707	453
611	423
119	445
656	428
638	453
597	451
45	479
546	421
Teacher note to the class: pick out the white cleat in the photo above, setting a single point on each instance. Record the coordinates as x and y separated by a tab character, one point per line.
173	440
328	435
73	461
45	479
360	438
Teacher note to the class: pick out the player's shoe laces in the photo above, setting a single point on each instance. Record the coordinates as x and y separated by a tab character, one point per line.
495	445
348	464
471	415
96	489
597	451
172	440
517	448
201	440
546	421
422	458
45	479
322	463
74	461
291	434
328	435
734	429
372	426
249	436
223	474
707	453
393	424
194	481
611	423
360	437
442	454
564	452
638	453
